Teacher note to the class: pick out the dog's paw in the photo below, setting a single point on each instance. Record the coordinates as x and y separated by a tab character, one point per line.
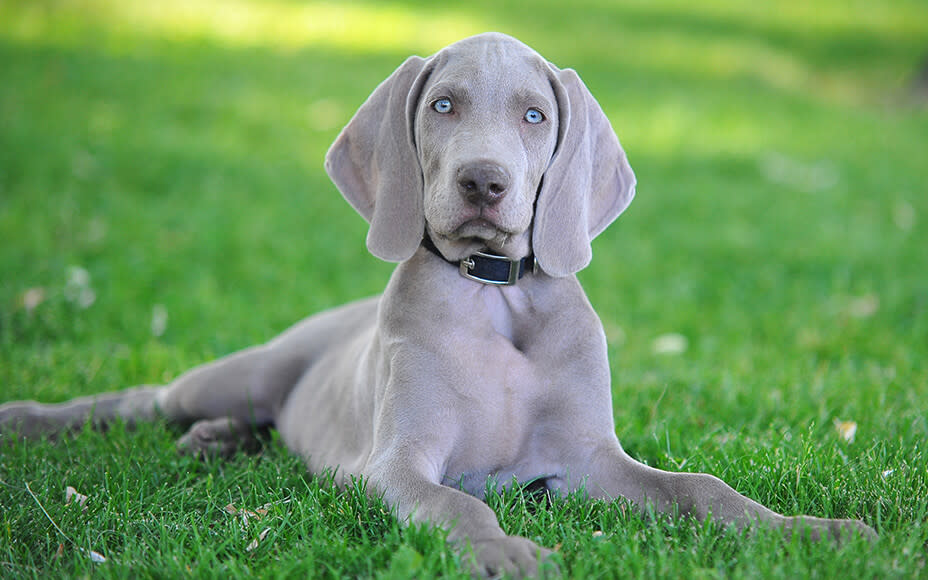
838	531
30	420
841	530
13	420
513	556
218	438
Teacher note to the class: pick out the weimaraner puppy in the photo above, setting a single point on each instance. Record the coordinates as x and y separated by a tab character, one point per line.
485	171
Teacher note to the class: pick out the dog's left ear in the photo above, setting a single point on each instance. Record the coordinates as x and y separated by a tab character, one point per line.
587	185
373	162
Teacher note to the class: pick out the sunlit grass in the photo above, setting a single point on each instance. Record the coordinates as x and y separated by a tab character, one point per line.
722	39
829	53
273	24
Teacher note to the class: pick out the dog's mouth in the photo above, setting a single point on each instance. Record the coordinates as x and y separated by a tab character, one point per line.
479	234
478	229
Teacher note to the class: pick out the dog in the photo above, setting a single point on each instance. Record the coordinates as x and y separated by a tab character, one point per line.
485	171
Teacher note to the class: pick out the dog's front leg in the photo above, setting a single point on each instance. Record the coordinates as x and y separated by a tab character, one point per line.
613	474
472	526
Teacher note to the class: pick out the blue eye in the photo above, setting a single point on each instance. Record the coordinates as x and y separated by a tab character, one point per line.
442	105
534	116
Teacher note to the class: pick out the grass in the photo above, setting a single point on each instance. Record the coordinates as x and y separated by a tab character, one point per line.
173	156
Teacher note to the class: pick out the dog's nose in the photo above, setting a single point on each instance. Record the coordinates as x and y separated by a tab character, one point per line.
483	184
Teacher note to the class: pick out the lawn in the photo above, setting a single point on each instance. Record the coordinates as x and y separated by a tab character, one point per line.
163	203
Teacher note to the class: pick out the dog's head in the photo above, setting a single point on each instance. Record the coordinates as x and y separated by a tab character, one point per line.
483	145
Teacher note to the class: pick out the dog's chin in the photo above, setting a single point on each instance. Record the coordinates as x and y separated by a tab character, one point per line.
479	235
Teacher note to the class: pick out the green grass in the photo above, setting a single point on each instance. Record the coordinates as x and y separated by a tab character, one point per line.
174	152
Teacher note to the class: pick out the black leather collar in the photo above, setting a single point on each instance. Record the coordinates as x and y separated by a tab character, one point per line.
488	268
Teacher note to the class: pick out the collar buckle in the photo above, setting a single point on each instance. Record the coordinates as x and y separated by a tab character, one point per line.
489	268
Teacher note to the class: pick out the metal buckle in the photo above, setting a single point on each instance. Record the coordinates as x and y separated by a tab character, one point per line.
467	264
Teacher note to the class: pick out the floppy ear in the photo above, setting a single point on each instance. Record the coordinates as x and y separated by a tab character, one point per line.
373	162
587	185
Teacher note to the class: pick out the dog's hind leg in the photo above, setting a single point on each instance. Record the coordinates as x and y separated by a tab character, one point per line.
32	419
247	386
230	399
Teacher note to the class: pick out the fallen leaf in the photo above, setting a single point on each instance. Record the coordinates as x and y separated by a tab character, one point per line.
71	494
671	343
86	298
95	557
864	306
808	177
246	514
270	504
31	299
77	288
254	543
78	276
847	429
159	320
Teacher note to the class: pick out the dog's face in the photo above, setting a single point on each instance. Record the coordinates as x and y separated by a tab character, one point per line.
485	144
485	131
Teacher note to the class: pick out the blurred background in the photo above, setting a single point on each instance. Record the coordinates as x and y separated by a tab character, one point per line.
162	198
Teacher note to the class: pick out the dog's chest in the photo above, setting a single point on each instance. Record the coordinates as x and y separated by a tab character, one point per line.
506	309
501	434
508	395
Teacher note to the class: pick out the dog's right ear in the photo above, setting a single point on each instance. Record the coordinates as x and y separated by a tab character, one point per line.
373	162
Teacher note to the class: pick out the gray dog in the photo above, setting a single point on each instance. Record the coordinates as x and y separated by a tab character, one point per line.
485	171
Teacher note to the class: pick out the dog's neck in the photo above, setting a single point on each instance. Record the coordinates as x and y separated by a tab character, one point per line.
488	268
